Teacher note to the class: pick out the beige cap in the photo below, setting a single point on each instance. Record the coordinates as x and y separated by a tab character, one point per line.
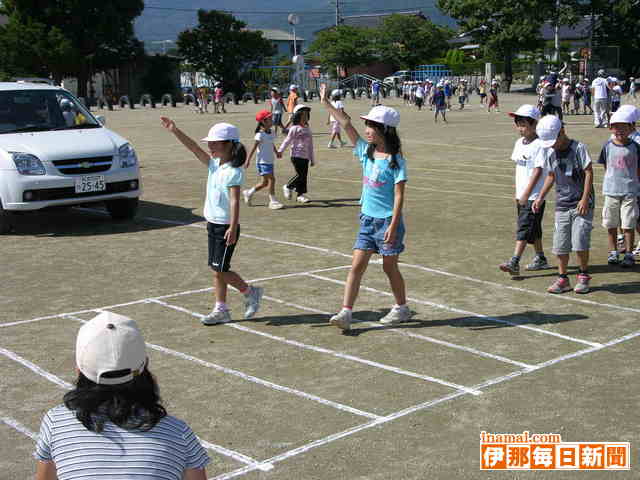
108	343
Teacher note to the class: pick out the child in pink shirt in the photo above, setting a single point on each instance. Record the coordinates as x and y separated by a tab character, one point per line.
299	137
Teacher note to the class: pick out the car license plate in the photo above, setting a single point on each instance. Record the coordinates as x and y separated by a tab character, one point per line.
94	183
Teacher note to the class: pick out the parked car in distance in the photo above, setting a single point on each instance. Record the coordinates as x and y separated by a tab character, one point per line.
54	152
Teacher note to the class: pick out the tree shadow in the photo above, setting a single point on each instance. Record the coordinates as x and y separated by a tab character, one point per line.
618	288
331	203
93	219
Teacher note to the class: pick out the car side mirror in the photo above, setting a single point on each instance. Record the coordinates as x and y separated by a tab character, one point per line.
101	119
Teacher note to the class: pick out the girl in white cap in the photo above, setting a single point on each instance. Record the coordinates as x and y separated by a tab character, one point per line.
381	224
225	159
112	424
335	126
301	142
277	108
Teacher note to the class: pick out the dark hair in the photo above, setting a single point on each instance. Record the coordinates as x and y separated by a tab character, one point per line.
336	97
134	405
297	117
238	154
391	141
261	126
529	120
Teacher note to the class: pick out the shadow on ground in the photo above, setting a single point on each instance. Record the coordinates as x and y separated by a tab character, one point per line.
93	219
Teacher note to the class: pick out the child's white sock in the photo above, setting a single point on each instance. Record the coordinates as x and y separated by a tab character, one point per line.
252	190
272	198
221	307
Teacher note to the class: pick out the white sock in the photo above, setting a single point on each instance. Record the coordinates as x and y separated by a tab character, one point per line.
252	190
403	306
221	307
272	198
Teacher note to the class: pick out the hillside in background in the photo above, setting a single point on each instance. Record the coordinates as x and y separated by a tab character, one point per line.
164	19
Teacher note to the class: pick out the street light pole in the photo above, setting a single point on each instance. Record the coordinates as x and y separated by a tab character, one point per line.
557	32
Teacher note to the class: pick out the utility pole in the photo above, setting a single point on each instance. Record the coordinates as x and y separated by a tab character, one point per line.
557	33
337	12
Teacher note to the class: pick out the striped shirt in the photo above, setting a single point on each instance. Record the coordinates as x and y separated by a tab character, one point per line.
162	453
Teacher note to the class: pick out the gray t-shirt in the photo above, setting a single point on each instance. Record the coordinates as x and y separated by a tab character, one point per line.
568	168
621	161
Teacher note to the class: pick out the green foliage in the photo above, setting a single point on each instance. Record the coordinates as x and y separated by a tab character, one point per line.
617	24
160	76
344	45
222	48
408	41
68	37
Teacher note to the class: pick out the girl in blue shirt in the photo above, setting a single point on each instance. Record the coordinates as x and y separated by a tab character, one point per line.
381	225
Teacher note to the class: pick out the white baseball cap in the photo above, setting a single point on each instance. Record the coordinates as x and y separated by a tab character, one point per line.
293	86
385	115
222	131
632	110
108	343
623	116
336	92
301	106
526	110
548	129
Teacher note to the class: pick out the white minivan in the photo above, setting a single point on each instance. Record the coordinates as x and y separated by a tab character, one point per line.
54	152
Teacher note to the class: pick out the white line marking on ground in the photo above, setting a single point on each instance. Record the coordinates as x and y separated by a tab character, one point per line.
13	423
253	463
35	368
334	353
250	378
411	334
463	312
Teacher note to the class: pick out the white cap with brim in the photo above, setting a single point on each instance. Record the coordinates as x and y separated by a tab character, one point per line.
632	110
623	116
548	129
110	343
526	110
384	115
297	108
222	132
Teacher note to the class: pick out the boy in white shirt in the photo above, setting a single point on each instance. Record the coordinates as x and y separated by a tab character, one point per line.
530	174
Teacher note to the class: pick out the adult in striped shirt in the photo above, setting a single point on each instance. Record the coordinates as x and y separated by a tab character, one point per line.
112	425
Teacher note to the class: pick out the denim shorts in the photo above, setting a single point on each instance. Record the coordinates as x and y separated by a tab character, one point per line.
371	236
264	168
573	232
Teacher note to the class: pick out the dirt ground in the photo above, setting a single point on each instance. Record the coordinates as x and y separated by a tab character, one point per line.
287	396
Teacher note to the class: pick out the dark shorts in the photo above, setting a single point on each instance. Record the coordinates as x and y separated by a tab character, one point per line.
529	223
277	118
371	236
219	252
418	101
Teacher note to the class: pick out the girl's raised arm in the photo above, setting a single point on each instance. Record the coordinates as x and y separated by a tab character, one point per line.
186	140
343	119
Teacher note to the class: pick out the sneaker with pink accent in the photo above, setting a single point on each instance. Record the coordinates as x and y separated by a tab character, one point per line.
583	283
561	285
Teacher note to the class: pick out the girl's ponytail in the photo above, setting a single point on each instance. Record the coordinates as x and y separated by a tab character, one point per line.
238	154
258	127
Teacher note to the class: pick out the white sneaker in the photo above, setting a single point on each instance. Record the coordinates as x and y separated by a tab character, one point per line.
216	317
275	205
247	196
331	145
396	315
342	319
303	199
637	249
286	192
252	301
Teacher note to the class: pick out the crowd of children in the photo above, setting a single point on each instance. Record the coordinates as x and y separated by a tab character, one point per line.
545	157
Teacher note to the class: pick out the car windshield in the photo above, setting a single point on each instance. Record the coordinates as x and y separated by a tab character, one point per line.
42	110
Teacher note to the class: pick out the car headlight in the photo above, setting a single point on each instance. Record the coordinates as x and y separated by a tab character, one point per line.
127	156
28	164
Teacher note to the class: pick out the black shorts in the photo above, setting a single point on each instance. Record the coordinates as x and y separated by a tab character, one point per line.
219	252
529	223
418	101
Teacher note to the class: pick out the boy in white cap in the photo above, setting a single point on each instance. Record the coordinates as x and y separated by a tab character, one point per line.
112	423
224	160
568	166
530	175
382	227
600	96
620	156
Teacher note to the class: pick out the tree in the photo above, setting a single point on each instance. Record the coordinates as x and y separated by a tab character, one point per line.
408	41
505	27
222	47
617	24
68	37
344	46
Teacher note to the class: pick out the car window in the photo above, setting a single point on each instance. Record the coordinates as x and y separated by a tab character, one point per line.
41	110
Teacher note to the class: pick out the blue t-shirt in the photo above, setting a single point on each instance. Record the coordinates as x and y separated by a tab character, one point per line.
378	182
221	178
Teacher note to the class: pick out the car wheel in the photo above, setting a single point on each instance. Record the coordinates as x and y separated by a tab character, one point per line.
5	220
123	208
